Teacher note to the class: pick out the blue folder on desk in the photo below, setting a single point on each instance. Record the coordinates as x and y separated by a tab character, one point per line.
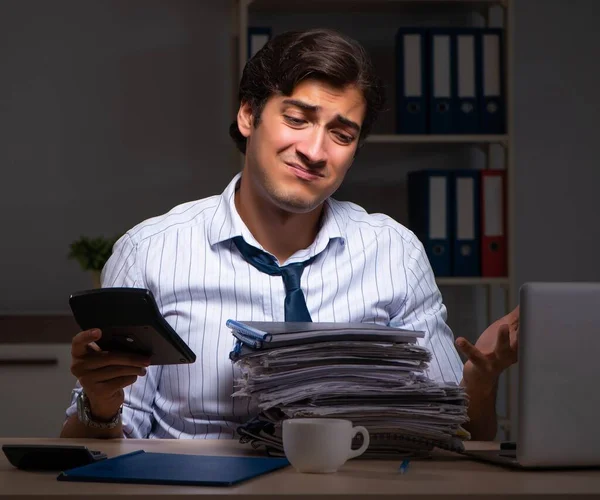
175	469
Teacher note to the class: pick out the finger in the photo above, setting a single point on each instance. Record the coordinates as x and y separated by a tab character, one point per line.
93	347
514	343
94	361
471	352
514	336
90	377
503	350
79	344
116	384
513	317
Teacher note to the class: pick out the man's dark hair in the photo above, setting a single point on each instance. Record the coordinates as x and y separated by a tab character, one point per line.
294	56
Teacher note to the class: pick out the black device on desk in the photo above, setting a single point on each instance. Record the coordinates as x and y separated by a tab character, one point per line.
50	457
131	322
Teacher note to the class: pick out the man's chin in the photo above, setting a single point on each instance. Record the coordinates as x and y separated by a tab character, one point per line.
297	205
298	208
294	198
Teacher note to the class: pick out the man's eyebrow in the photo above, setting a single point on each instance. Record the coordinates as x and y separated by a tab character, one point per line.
302	105
313	109
348	123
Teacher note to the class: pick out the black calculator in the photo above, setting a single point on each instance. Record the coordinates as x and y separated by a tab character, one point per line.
50	457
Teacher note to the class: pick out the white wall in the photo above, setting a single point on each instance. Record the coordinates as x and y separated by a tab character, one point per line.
110	112
557	108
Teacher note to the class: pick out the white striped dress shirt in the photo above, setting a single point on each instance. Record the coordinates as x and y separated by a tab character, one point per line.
368	268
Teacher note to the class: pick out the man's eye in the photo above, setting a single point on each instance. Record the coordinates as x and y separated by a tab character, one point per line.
346	139
293	121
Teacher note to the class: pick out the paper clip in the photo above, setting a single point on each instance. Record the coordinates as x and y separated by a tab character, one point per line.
403	469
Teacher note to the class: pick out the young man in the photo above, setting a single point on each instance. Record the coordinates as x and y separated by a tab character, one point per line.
274	246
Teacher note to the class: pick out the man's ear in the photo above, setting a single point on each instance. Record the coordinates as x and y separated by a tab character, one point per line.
245	119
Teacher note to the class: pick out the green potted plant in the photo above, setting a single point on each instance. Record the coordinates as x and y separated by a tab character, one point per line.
92	254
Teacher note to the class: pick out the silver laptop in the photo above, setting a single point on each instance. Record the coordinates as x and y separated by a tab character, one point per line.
559	379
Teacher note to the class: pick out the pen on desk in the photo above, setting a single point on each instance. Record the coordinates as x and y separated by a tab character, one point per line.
403	469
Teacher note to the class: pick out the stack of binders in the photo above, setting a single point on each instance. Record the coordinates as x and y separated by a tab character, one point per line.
372	375
449	81
460	217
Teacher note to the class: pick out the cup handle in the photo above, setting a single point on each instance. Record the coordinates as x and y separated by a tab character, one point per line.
359	429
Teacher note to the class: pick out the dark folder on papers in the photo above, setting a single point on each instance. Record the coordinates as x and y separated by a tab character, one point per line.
174	469
290	332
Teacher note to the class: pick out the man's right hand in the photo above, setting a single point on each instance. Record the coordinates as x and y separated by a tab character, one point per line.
102	374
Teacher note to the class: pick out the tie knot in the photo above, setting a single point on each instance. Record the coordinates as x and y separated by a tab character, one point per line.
295	305
291	275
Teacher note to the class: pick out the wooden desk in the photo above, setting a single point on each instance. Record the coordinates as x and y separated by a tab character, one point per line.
447	476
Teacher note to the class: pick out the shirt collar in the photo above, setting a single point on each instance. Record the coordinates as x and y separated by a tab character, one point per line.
226	223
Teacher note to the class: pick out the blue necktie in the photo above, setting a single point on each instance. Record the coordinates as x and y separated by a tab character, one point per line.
295	305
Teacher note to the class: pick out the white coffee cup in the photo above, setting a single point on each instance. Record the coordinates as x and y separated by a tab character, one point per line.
321	444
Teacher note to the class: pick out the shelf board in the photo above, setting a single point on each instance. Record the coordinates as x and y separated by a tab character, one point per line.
364	5
437	139
457	281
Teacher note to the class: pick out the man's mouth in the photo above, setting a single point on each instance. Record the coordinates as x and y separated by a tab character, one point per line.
303	172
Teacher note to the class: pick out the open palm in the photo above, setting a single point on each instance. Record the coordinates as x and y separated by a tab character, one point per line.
495	350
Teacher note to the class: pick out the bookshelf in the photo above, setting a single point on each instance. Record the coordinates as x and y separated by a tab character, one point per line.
437	139
370	22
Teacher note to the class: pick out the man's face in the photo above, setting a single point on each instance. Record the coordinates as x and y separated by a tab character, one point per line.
304	144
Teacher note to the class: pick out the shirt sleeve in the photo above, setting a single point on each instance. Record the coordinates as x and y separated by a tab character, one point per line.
123	270
423	310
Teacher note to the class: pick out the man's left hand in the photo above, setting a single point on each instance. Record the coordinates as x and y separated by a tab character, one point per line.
495	350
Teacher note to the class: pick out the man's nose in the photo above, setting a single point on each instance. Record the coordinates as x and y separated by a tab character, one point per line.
312	149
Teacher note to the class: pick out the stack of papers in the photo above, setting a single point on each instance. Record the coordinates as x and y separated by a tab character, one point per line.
370	374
